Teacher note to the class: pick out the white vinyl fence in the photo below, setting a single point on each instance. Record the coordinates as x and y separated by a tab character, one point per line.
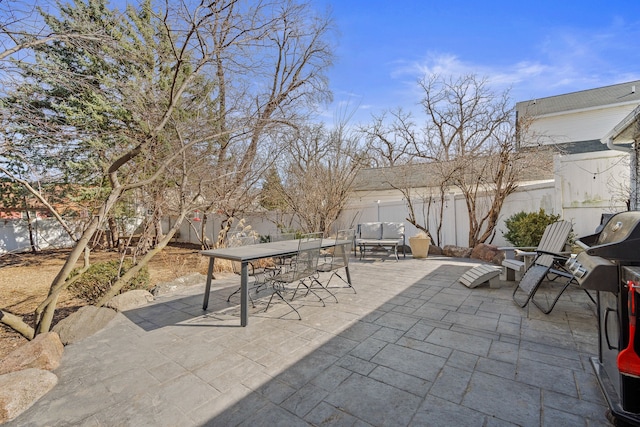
47	233
585	187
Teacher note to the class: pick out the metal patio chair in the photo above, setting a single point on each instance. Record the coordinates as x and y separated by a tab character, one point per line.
258	274
304	266
281	262
536	274
338	260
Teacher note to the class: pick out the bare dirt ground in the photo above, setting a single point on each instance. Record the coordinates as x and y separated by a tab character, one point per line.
25	279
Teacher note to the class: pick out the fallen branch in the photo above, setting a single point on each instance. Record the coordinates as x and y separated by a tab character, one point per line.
17	324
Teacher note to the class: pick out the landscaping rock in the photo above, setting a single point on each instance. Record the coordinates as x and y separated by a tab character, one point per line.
181	282
485	252
435	250
130	300
83	323
456	251
19	390
43	352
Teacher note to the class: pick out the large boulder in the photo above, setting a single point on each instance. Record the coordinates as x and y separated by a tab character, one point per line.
192	279
83	323
129	300
43	352
485	252
19	390
456	251
435	250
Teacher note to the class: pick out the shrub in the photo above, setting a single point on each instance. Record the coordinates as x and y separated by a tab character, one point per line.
526	229
98	279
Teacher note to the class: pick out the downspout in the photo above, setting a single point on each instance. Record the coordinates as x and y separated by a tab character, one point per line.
633	155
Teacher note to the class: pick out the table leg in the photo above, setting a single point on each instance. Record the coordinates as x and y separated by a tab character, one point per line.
244	294
207	288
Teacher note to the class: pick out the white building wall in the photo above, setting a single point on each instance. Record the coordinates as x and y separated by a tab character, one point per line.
580	125
590	184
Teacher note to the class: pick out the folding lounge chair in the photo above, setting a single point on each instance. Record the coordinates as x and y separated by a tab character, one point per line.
304	266
536	274
553	241
547	265
545	255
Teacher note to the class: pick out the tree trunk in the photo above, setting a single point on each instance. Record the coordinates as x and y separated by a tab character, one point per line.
44	312
34	248
115	233
122	281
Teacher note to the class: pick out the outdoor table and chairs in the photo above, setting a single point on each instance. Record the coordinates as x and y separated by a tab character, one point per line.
250	253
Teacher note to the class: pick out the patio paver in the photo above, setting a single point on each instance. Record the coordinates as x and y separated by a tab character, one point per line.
413	347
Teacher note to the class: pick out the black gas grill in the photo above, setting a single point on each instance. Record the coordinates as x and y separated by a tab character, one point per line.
610	265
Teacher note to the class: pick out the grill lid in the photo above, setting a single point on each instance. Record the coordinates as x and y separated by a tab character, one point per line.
619	240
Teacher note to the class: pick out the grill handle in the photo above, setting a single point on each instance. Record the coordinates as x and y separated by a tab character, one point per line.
628	359
606	328
582	245
585	242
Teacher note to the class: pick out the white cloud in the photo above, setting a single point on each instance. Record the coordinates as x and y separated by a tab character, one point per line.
565	60
560	60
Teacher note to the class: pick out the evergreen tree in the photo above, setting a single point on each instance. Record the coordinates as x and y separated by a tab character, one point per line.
272	193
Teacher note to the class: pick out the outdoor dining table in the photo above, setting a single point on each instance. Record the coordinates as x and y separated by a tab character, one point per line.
245	254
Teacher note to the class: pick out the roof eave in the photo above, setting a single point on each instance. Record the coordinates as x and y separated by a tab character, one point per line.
625	132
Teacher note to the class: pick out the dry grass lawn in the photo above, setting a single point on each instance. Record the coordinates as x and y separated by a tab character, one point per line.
25	279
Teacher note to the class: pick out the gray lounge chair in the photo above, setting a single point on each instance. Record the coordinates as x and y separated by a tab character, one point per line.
548	264
553	240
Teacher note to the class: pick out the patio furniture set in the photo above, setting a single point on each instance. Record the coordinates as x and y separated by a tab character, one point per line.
296	267
380	235
531	267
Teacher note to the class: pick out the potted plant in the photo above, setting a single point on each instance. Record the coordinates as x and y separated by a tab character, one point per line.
420	244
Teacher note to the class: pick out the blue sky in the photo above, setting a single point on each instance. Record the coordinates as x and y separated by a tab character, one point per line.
536	49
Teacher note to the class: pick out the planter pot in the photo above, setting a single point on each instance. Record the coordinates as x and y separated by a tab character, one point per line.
419	246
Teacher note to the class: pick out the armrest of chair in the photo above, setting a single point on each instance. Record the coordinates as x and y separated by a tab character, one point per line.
511	252
519	252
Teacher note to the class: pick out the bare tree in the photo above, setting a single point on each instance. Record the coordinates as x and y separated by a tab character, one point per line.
424	187
154	82
468	141
391	138
287	80
319	173
473	130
